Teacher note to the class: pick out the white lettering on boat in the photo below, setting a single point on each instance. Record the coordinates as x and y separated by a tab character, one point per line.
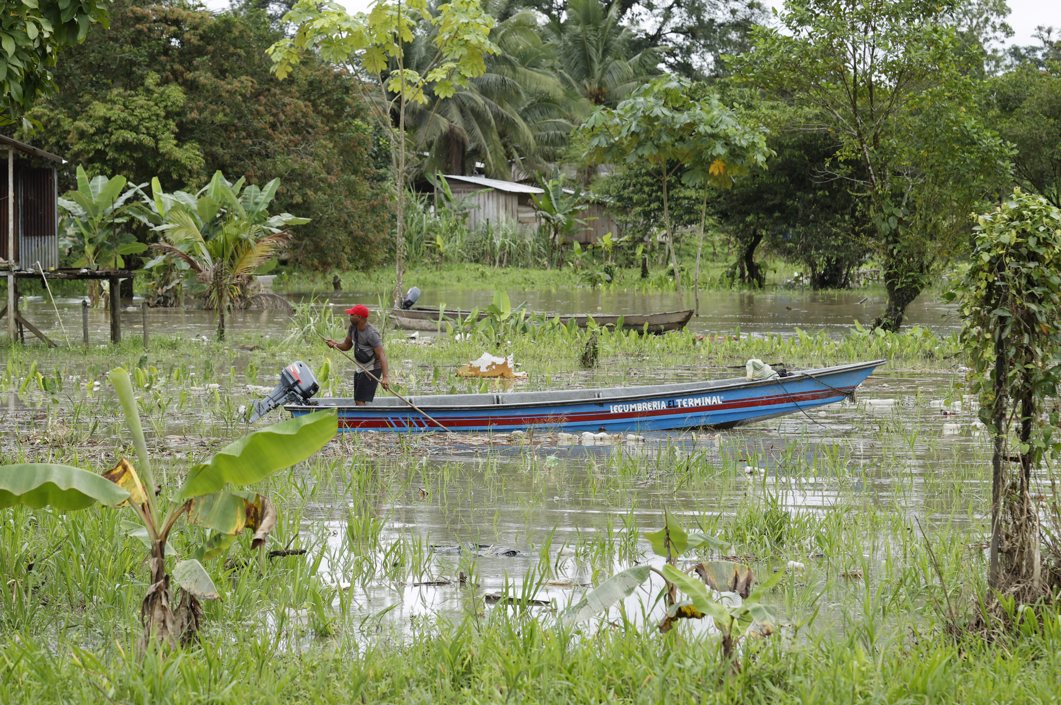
663	404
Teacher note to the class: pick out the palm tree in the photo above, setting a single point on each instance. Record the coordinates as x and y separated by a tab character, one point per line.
223	233
512	114
596	53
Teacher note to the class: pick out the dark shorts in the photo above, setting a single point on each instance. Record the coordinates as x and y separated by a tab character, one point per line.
365	386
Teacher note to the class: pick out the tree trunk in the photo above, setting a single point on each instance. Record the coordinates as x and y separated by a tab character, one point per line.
1015	566
699	253
899	297
399	223
670	236
751	272
832	274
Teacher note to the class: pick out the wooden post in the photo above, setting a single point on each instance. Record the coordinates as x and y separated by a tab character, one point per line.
143	319
84	321
116	308
11	310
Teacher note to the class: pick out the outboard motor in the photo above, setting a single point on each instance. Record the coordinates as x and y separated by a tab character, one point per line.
411	297
297	385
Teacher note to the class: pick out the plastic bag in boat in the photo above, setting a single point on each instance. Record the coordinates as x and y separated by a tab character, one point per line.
756	369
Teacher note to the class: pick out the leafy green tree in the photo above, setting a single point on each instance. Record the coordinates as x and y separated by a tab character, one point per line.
375	44
93	220
683	134
136	131
224	234
1011	305
215	106
800	207
32	33
1025	108
888	81
597	54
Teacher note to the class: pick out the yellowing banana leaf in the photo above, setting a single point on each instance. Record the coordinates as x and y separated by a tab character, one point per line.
62	487
726	576
697	592
258	455
124	475
222	512
261	518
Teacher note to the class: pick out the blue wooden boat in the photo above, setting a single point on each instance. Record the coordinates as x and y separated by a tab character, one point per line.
715	404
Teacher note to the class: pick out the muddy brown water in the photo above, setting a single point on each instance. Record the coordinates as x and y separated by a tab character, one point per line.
501	507
720	312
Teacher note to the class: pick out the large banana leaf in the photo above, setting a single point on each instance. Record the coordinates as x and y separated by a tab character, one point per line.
62	487
258	455
601	598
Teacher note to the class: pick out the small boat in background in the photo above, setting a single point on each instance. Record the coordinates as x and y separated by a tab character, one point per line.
712	404
429	319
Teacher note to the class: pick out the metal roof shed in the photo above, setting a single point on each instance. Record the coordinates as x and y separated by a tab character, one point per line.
494	202
30	228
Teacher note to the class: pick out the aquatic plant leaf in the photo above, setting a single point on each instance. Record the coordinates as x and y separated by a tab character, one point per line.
191	576
672	530
698	539
726	576
696	591
601	598
258	455
124	475
61	487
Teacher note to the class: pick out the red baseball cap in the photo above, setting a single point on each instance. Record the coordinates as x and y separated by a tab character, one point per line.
358	310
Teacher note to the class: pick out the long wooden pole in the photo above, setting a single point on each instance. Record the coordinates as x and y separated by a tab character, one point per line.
11	316
362	368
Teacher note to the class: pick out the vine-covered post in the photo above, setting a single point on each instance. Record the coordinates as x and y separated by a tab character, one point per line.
1011	304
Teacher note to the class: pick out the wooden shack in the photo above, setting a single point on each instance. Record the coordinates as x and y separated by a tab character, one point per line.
493	202
31	227
29	233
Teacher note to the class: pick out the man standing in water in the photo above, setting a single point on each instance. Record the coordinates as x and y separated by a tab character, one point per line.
367	343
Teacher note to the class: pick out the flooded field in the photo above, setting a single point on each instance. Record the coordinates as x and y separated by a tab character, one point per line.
404	528
519	566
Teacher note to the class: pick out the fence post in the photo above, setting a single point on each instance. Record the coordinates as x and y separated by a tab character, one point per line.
84	321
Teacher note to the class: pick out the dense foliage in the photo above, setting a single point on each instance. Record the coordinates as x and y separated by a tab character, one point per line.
193	94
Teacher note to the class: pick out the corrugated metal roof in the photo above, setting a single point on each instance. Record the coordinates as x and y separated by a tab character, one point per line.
496	184
29	149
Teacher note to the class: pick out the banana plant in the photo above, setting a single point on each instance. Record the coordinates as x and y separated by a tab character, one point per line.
721	590
212	497
92	217
224	234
